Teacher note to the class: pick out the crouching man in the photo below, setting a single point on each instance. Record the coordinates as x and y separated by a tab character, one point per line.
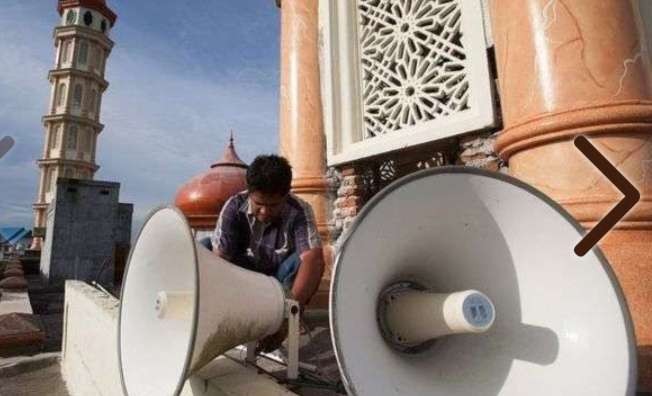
269	230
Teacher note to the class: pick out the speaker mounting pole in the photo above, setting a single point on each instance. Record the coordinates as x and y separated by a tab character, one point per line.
293	314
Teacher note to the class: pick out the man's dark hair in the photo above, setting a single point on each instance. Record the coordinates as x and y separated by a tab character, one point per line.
269	174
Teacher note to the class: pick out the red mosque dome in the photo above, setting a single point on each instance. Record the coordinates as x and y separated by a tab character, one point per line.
201	198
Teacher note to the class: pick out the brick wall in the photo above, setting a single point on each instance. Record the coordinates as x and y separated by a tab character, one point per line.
358	182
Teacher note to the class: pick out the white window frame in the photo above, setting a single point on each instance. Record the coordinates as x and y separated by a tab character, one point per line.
342	101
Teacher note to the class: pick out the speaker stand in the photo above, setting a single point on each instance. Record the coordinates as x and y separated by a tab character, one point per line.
293	315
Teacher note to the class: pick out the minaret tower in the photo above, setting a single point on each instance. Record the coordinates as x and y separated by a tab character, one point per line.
72	123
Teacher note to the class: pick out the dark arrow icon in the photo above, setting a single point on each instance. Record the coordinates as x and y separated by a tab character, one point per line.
631	196
5	145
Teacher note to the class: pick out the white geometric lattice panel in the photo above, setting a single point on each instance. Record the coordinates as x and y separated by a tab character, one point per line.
400	73
412	62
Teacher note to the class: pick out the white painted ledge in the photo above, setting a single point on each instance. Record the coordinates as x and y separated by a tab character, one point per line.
90	358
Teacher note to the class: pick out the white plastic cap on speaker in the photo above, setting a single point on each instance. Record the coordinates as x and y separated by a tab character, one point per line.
560	326
413	317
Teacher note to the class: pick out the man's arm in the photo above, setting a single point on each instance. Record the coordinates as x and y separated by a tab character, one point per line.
308	246
309	275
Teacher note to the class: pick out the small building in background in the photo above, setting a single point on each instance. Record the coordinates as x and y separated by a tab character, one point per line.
88	233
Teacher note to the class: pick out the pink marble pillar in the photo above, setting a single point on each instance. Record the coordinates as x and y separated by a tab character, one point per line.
581	67
301	131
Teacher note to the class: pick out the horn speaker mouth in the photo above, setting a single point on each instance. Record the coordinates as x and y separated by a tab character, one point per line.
489	296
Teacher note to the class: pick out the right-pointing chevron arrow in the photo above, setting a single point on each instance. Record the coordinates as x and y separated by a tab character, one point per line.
631	196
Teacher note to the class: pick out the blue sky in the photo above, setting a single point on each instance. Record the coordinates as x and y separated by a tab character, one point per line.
181	75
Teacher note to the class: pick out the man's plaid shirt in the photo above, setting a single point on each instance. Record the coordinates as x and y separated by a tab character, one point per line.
263	247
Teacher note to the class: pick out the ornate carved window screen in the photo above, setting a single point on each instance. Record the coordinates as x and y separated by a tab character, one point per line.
399	73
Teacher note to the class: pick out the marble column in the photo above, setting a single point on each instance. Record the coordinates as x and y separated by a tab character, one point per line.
301	131
581	67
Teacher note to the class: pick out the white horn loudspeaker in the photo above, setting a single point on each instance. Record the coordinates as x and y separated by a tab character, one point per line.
451	281
454	281
181	306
